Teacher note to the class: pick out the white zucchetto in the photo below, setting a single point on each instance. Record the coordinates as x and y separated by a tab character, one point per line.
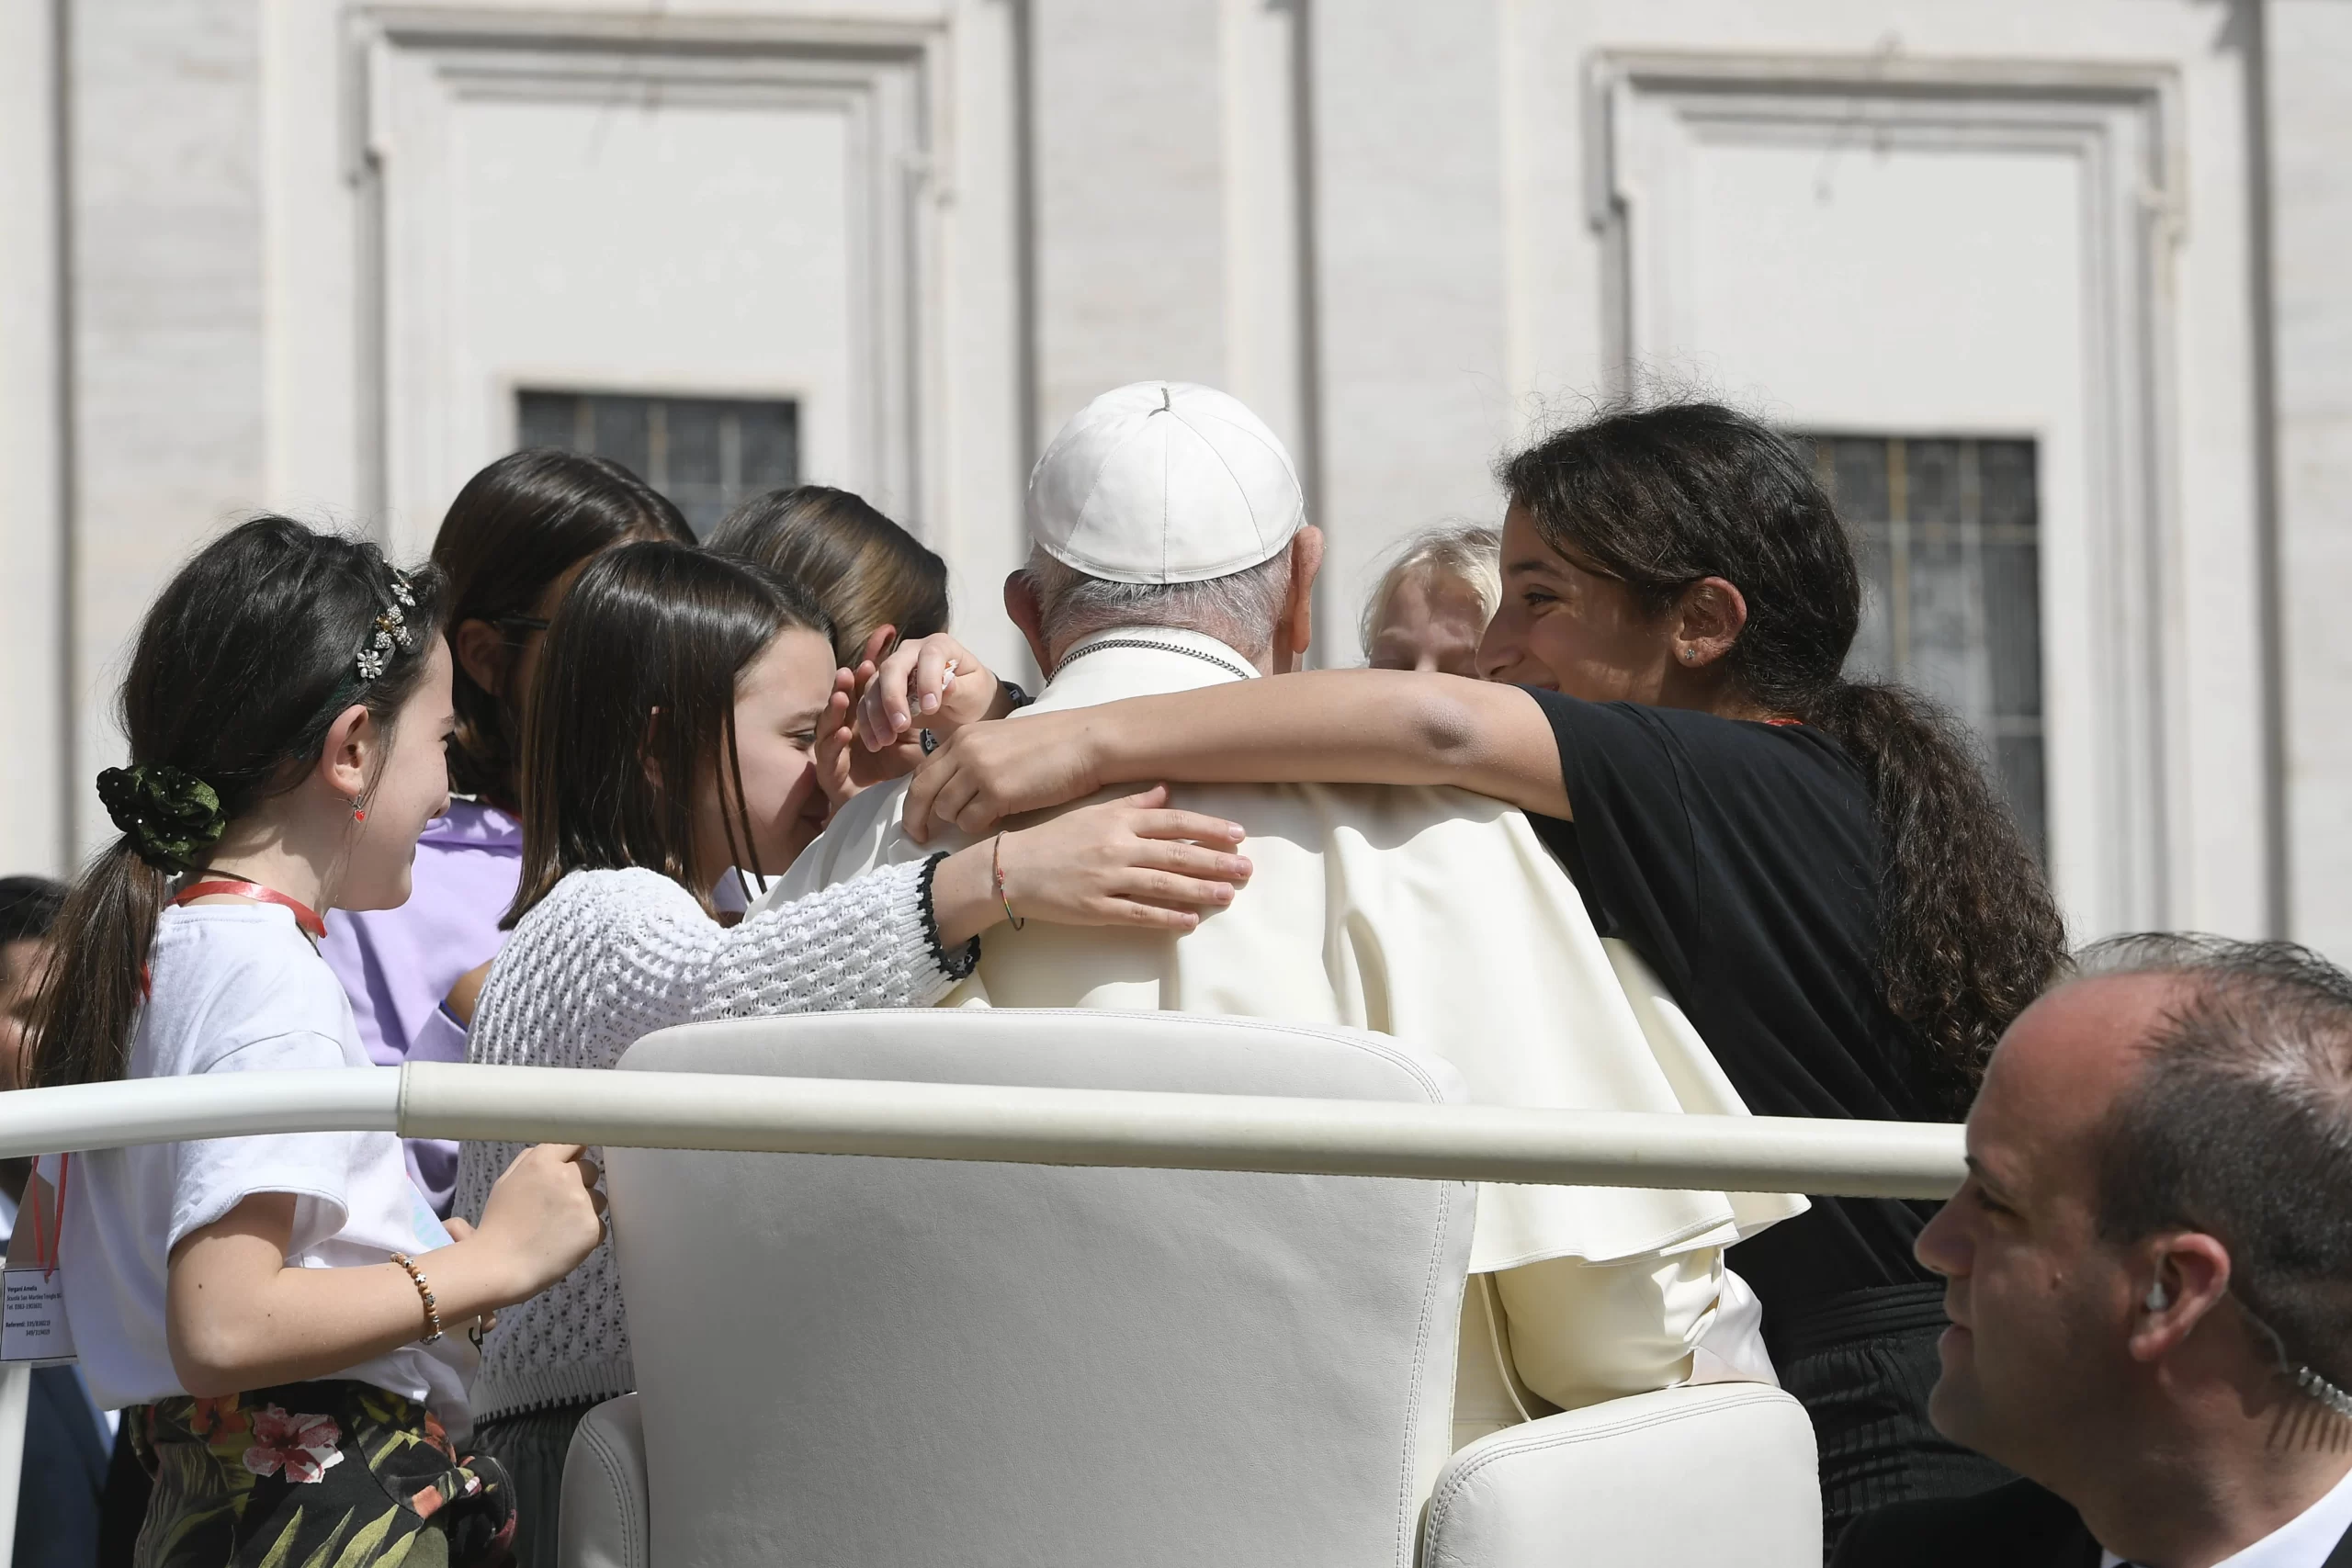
1164	482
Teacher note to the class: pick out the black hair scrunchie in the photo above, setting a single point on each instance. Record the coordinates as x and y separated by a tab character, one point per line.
170	816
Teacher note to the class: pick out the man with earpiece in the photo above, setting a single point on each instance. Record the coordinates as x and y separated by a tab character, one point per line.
2148	1274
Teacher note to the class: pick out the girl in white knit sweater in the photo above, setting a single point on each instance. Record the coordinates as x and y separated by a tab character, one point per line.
674	735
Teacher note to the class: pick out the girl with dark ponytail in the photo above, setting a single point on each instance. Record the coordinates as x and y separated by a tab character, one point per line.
266	1299
1817	869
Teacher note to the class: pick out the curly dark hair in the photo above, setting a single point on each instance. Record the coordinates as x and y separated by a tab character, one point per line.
1664	496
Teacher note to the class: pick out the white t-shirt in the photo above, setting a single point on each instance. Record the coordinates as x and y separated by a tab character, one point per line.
238	988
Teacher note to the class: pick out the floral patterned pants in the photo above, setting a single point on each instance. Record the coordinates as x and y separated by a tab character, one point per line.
330	1474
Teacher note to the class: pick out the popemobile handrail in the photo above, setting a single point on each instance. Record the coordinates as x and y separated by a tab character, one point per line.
974	1122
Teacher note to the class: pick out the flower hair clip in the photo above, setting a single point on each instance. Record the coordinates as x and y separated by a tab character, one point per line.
391	631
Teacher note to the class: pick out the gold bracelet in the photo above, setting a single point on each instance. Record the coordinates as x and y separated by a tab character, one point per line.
996	875
432	1311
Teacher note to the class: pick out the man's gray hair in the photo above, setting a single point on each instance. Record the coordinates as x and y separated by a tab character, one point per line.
2239	1124
1240	610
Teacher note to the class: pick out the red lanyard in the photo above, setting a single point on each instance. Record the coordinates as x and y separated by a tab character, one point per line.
45	1250
304	916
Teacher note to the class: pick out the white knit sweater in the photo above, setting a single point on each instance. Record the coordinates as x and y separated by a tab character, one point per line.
610	956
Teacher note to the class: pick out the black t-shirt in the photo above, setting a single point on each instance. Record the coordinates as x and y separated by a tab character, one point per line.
1741	861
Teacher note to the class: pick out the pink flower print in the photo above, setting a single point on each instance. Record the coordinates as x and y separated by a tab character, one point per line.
306	1447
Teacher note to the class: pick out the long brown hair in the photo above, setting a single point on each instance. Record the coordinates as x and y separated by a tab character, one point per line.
518	526
864	568
242	664
635	701
1664	496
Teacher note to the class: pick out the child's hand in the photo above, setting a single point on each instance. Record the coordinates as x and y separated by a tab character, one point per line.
1124	863
837	753
545	1215
934	683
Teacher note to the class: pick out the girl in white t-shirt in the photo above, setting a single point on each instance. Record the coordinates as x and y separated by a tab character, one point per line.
286	1308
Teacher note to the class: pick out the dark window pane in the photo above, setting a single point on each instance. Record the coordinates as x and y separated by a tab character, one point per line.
1860	487
694	443
1931	481
622	429
771	444
2007	481
1873	650
704	505
706	454
2017	764
2013	627
549	419
1951	593
1945	650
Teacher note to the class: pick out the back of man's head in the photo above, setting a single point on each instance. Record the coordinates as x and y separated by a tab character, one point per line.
1163	504
1241	609
2239	1123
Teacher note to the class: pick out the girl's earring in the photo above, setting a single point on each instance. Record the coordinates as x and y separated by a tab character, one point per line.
358	809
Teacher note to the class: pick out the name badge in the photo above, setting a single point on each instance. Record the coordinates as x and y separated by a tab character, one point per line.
32	1317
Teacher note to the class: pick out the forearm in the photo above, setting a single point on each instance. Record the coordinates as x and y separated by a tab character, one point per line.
963	894
234	1324
857	944
1336	726
1584	1332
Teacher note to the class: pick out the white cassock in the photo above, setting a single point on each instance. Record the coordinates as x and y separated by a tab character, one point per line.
1439	918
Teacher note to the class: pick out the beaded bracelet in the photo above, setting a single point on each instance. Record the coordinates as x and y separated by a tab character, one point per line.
432	1311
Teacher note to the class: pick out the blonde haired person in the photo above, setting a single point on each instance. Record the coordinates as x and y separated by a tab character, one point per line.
1433	602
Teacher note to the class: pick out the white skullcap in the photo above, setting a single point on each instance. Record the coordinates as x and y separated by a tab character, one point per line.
1164	482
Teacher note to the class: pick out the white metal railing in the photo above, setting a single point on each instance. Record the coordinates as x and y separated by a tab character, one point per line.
1042	1126
968	1121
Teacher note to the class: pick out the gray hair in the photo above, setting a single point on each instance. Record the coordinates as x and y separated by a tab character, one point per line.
1239	609
2239	1124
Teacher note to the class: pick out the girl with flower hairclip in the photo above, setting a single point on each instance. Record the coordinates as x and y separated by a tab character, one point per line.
285	1311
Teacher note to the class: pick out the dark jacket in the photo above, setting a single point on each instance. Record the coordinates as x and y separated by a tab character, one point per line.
65	1469
2017	1526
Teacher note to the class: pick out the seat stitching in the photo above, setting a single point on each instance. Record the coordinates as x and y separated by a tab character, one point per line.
1442	1502
602	1448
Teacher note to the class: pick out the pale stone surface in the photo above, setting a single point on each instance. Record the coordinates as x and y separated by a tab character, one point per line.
32	529
2311	135
167	304
1409	228
1129	247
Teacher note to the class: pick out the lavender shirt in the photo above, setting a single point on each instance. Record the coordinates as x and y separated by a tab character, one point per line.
397	964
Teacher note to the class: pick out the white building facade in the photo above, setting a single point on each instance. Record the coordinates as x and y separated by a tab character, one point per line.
2057	286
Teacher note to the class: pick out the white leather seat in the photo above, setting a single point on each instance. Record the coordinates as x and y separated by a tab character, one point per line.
1720	1473
870	1363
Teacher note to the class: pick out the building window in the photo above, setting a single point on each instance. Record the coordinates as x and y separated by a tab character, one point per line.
706	454
1949	538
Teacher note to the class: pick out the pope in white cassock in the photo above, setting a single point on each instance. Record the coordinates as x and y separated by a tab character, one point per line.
1172	551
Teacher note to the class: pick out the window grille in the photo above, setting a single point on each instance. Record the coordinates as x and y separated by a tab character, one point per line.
706	454
1949	532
